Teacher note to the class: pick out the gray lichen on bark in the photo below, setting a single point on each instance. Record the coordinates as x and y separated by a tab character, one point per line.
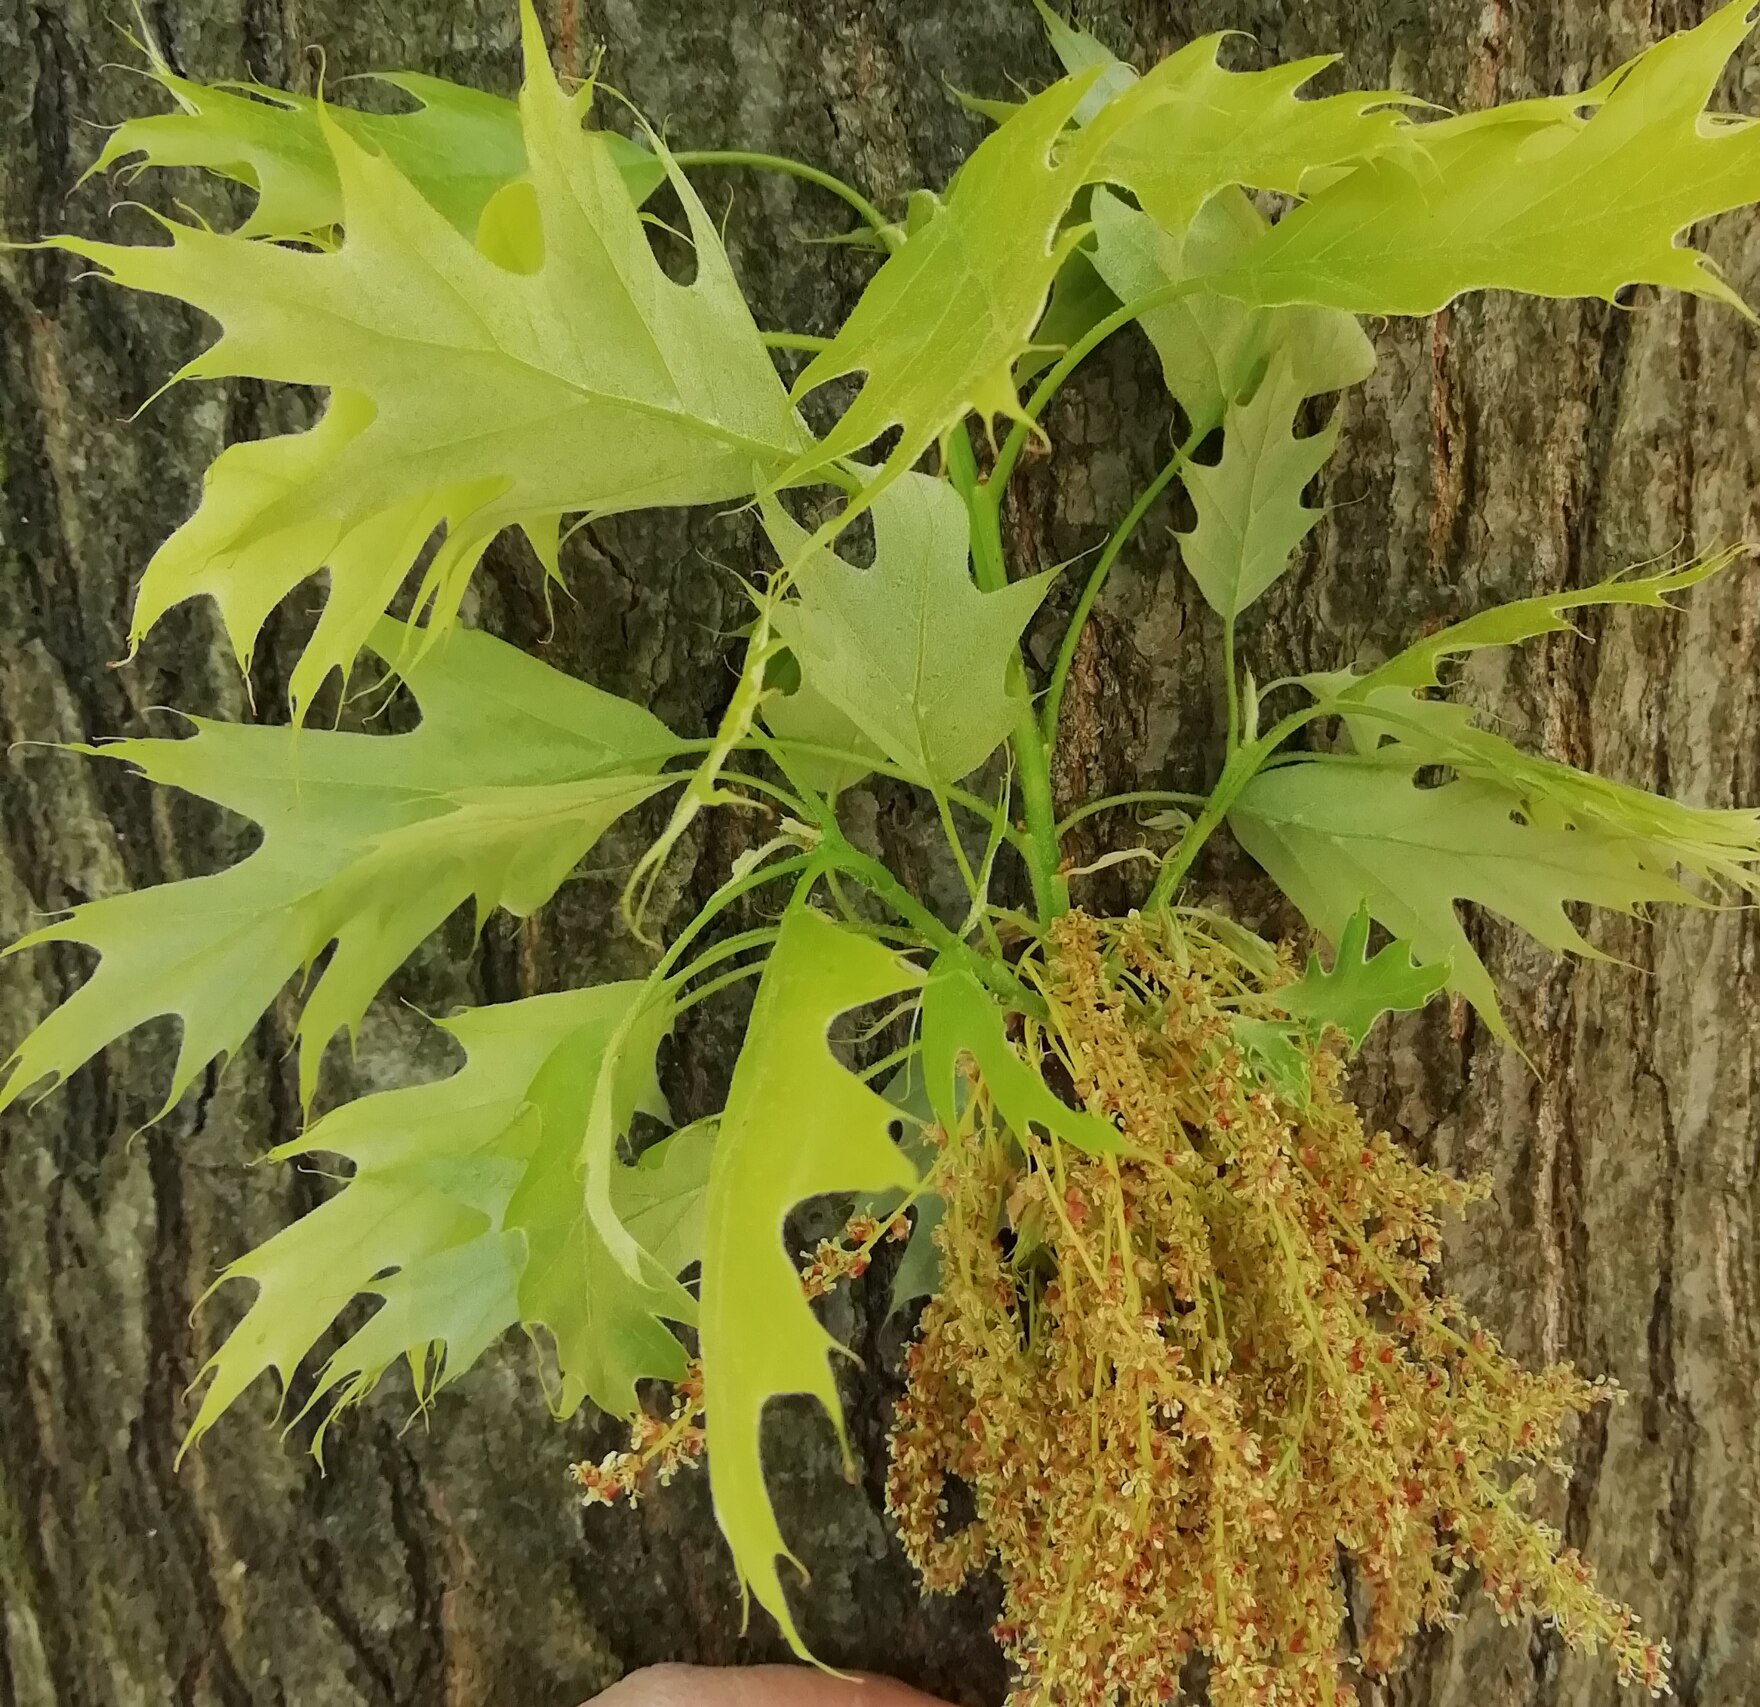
1501	448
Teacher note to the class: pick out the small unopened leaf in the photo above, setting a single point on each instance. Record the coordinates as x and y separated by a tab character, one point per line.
1273	1049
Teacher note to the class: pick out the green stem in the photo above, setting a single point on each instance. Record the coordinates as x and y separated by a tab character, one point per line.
879	882
967	876
726	949
989	568
793	341
727	980
870	215
1072	636
1066	364
1032	756
976	804
1231	678
1243	765
1138	797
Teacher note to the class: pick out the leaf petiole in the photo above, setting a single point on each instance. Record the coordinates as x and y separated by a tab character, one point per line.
1137	797
1032	757
869	215
1243	765
1109	554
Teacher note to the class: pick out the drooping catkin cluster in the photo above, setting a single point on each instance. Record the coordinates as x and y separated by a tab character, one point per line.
1180	1386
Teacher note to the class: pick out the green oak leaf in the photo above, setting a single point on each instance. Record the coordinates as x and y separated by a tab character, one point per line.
1189	128
1339	835
458	146
940	326
910	654
662	1198
1360	987
436	1222
1213	349
1390	714
1078	51
1415	666
798	1124
1534	197
919	1270
464	392
369	841
1080	300
961	1018
1249	505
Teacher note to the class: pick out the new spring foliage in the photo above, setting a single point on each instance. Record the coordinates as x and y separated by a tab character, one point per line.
474	286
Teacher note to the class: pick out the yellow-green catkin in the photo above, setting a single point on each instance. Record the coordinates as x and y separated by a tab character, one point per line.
1181	1386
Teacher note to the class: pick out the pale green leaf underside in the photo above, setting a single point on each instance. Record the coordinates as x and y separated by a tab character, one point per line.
908	654
369	841
1214	350
798	1124
462	393
457	1220
1388	705
1338	836
1250	514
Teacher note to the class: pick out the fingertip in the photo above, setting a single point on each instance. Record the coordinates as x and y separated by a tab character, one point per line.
756	1686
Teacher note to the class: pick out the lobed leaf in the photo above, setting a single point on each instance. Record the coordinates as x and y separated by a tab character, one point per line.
1188	128
1250	514
1532	197
464	391
1215	350
940	326
798	1124
1527	619
1360	987
457	1219
1338	836
909	657
458	146
961	1019
369	842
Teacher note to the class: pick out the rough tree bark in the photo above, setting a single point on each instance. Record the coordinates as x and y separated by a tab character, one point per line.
1502	448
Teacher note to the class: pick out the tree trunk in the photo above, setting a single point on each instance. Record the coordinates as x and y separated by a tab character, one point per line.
1503	448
